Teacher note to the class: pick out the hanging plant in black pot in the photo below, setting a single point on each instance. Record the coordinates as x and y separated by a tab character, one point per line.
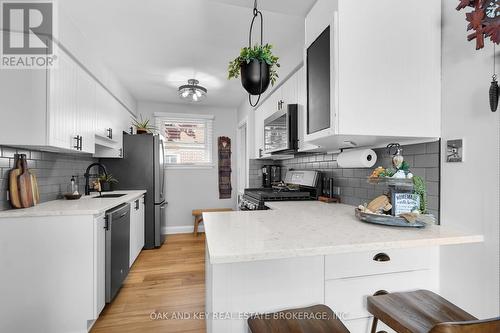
257	65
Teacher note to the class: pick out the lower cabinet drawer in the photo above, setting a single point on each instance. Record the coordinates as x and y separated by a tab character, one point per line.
364	325
378	262
347	297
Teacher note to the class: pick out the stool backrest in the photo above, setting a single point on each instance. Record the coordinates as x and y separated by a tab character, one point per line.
475	326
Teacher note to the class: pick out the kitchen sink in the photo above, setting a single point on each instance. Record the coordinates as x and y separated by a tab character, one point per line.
115	195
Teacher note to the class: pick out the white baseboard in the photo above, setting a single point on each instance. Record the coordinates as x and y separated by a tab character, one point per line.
183	229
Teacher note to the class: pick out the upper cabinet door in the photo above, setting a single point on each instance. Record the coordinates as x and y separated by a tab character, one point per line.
321	74
302	110
289	94
62	106
390	68
103	112
318	80
86	111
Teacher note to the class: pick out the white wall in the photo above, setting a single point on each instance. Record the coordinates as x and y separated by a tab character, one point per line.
188	189
470	190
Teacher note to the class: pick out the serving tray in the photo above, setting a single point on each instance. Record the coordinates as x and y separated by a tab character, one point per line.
388	220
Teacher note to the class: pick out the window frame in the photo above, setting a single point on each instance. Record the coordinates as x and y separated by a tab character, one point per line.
162	117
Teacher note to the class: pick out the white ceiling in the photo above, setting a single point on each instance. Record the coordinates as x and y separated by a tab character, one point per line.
153	46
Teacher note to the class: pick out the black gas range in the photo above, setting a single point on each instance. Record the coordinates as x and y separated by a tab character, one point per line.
298	185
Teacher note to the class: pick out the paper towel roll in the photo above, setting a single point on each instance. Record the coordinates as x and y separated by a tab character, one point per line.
357	158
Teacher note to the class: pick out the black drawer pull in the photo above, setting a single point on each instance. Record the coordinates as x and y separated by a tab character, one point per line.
381	257
380	292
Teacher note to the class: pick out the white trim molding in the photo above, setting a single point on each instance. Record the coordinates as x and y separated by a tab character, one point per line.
182	229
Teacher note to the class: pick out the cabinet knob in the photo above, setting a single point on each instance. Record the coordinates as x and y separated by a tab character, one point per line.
380	292
381	257
110	133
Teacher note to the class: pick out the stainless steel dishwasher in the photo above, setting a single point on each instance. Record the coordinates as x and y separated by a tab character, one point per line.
117	248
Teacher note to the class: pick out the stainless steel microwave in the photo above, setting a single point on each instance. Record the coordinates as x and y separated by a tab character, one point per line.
280	131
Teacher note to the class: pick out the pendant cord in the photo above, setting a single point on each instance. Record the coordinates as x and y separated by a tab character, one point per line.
256	12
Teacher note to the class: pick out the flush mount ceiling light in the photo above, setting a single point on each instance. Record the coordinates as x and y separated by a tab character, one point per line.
192	91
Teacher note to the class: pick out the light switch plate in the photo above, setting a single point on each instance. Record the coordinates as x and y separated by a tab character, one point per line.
454	151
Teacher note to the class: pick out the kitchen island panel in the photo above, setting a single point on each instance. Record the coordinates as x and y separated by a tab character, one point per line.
241	289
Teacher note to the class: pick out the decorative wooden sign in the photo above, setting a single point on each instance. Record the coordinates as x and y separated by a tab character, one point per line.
484	19
225	188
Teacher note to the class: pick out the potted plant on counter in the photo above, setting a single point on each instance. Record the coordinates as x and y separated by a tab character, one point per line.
143	126
257	66
107	182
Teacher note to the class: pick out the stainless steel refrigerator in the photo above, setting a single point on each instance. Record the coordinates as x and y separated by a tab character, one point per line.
142	167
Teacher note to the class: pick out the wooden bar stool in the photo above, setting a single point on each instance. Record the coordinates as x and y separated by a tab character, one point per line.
423	311
198	216
314	319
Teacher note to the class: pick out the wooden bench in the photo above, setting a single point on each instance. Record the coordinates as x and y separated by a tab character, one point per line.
314	319
198	216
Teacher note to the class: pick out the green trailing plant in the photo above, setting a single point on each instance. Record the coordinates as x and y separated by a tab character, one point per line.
262	53
108	179
405	166
420	189
142	124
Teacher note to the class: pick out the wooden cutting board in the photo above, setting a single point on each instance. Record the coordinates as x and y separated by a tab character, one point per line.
25	185
15	200
36	193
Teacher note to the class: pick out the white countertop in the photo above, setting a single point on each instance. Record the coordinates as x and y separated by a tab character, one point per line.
86	205
309	228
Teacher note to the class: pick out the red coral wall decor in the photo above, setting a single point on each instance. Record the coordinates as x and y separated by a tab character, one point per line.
484	19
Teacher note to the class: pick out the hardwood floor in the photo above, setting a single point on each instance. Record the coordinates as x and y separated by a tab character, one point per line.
169	280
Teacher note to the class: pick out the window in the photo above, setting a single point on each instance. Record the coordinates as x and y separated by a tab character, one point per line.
188	139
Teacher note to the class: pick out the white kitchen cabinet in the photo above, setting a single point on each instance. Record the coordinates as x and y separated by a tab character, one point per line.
341	281
99	265
289	91
71	107
384	85
104	114
86	113
137	220
60	109
302	111
261	113
115	120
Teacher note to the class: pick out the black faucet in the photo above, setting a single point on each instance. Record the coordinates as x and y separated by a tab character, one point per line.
87	175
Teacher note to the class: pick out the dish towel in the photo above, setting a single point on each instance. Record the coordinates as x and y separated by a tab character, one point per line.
224	144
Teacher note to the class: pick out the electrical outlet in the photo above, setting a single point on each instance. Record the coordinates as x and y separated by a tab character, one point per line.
454	151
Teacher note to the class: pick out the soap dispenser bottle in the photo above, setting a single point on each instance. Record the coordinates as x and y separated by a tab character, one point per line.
74	186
